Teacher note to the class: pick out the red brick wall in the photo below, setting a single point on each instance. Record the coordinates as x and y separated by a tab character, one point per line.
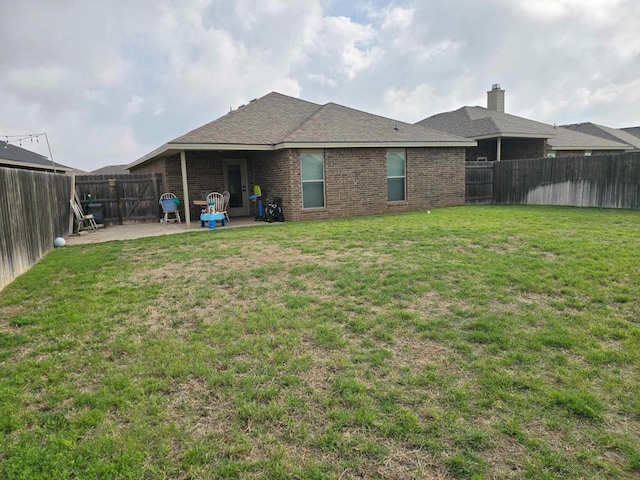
355	179
356	182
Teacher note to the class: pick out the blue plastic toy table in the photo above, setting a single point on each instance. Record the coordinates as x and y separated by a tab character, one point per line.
211	218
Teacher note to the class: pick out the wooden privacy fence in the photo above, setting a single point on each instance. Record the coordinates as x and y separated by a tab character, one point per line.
34	210
124	198
478	182
608	181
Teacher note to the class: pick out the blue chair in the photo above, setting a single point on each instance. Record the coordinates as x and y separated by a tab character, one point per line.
170	204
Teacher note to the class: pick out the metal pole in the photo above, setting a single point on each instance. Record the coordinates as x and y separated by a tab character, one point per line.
50	154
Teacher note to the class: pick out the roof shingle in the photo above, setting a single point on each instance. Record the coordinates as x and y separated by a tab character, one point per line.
601	131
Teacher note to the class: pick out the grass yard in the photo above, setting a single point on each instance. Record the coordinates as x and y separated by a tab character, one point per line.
475	342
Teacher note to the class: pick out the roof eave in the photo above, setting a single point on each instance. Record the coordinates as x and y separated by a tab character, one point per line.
36	166
168	148
397	144
586	147
512	135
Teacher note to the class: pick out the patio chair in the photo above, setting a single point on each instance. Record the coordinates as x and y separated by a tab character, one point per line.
170	204
226	196
83	222
215	203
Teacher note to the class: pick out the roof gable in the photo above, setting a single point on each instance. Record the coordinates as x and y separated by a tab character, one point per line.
260	122
476	122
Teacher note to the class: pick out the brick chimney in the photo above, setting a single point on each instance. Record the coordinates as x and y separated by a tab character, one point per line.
495	98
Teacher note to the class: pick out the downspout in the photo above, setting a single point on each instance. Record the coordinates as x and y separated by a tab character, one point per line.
185	188
499	149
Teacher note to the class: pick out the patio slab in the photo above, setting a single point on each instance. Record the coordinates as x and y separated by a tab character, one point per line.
141	230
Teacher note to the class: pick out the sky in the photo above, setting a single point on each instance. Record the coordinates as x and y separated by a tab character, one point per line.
110	81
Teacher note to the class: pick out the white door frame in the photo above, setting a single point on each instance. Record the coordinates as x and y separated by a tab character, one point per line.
244	210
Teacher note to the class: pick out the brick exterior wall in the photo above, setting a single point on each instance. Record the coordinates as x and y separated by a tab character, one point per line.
356	182
355	179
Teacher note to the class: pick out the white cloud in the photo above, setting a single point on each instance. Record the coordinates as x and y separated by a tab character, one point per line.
323	80
37	79
354	45
110	81
594	11
97	96
397	17
134	106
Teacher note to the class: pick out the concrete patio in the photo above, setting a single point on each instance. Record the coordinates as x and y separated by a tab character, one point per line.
140	230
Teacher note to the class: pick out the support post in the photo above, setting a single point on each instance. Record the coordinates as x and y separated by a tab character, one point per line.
185	188
72	197
499	149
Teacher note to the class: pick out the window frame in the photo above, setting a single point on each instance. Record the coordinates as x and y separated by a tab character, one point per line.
403	152
323	181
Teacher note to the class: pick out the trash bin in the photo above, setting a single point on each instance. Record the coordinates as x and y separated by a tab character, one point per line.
97	211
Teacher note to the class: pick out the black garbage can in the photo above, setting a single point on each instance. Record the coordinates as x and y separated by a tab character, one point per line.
97	210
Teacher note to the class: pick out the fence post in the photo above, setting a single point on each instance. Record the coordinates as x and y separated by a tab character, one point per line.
113	183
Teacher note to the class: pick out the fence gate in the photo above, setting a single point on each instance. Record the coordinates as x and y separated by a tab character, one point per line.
478	182
124	198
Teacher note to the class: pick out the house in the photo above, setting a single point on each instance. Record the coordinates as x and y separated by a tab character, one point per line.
323	161
502	136
608	133
635	131
111	170
12	156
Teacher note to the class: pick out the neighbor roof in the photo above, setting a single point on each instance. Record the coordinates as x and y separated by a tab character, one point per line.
10	155
614	134
567	139
635	131
480	122
278	121
111	170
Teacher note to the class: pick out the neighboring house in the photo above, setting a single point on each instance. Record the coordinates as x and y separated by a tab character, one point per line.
502	136
608	133
111	170
323	160
635	131
17	157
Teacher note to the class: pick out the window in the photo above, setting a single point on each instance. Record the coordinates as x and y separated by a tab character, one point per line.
312	169
396	176
587	153
551	154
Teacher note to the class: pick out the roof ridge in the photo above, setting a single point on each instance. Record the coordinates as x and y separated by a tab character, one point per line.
249	105
285	135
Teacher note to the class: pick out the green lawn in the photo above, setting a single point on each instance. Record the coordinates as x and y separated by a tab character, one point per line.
475	342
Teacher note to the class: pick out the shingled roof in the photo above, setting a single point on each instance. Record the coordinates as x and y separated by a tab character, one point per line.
11	155
635	131
608	133
261	122
479	122
567	139
334	124
278	121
